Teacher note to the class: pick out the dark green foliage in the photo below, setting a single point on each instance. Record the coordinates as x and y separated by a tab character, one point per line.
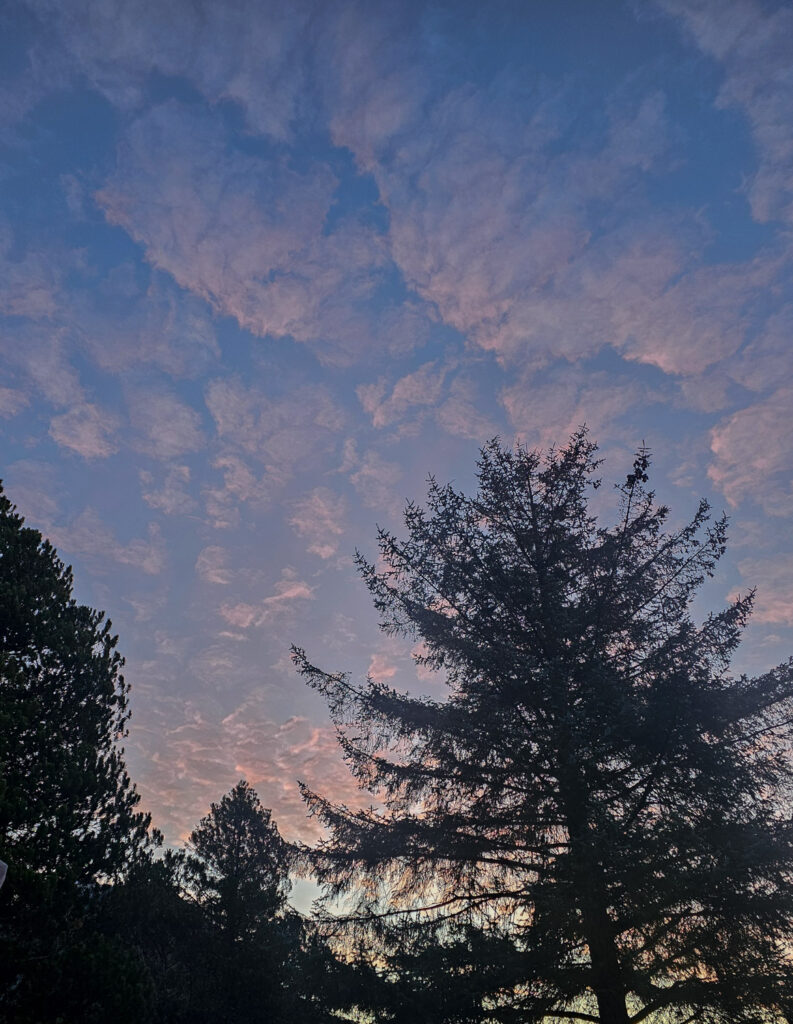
163	933
68	812
595	823
253	959
239	865
237	873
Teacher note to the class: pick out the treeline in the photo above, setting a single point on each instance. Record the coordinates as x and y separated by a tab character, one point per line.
97	923
595	825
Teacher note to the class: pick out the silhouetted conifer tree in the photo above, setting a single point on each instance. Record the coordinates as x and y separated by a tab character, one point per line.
68	811
599	797
239	864
260	962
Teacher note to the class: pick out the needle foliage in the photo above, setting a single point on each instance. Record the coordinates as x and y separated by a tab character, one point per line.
594	824
69	817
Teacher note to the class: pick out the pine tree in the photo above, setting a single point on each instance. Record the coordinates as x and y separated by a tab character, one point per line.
598	797
68	812
239	864
237	871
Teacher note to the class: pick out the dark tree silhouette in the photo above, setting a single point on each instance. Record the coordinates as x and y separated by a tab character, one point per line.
599	799
255	947
68	812
212	934
239	865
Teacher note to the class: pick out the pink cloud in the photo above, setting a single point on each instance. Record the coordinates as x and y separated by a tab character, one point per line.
422	387
460	415
32	485
375	480
191	754
12	402
753	453
172	496
320	518
248	235
426	393
167	426
493	230
91	538
287	590
246	53
29	284
122	326
211	565
285	433
87	430
42	356
769	357
240	485
545	410
381	666
773	578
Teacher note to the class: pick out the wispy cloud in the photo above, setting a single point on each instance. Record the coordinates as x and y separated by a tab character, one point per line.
552	405
30	281
286	591
248	234
87	430
167	426
211	565
123	323
376	481
202	752
95	542
753	454
12	402
386	405
320	518
249	54
751	42
773	578
283	432
171	496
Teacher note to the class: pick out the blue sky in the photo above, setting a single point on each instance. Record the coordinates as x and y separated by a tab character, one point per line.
266	266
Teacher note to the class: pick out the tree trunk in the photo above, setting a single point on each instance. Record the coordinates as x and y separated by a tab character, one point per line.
607	979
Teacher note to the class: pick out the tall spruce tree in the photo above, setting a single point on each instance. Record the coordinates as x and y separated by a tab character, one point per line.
69	820
594	824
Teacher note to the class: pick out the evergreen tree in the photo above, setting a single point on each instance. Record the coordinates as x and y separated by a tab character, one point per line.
68	811
164	934
261	960
237	870
239	865
599	797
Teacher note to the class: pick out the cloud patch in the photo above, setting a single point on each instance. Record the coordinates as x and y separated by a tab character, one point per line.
753	454
167	427
286	591
87	430
320	518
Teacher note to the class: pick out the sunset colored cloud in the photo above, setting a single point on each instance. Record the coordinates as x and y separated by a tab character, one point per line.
264	267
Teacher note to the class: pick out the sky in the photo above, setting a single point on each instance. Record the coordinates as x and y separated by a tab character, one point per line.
266	266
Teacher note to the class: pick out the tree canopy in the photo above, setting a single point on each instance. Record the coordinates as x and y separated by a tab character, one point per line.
239	864
599	797
258	959
68	810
